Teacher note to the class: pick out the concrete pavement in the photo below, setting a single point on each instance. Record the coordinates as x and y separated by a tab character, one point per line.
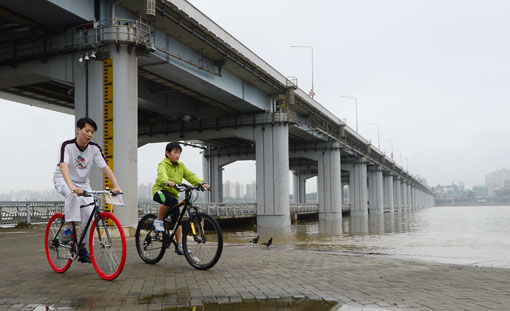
245	274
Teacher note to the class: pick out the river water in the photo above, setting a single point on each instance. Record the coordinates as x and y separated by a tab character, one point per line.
467	235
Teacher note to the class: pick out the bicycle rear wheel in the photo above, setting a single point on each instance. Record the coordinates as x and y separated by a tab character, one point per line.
107	246
57	254
202	241
149	242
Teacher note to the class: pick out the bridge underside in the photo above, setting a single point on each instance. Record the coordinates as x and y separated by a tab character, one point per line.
182	82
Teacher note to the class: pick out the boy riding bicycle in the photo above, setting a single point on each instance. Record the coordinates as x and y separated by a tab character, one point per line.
71	177
170	173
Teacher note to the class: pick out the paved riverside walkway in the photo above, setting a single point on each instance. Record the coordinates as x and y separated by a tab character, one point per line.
244	273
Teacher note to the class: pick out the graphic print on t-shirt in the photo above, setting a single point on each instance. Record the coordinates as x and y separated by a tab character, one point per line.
80	162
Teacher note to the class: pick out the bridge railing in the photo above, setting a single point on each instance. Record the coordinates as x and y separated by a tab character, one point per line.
84	38
41	211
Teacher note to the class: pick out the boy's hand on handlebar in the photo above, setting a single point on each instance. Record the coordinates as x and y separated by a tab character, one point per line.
170	183
206	186
116	190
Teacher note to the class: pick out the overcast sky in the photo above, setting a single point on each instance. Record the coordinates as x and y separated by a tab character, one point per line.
434	75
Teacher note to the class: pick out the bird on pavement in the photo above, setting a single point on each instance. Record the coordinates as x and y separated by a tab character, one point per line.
255	240
269	242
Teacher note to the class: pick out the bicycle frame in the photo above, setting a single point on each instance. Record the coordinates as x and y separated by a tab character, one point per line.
187	206
93	214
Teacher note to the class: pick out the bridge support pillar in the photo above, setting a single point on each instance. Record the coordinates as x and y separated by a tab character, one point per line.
403	191
299	187
388	193
375	190
272	161
409	199
359	191
329	187
397	194
121	143
213	174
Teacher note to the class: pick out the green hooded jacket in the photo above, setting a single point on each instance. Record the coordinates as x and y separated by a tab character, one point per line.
168	171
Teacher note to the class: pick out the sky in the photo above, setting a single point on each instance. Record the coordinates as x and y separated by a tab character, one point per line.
434	75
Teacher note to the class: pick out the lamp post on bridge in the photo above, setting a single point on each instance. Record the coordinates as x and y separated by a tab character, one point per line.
356	103
312	93
378	140
391	141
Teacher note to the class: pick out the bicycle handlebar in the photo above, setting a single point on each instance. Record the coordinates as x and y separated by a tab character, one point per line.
94	192
184	187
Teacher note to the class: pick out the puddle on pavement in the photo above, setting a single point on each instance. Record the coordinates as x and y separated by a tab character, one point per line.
283	304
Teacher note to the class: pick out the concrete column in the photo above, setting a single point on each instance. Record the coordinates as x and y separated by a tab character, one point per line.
125	129
302	187
299	186
397	194
403	191
359	191
409	198
375	190
329	184
295	186
90	76
89	100
272	156
213	174
349	168
388	193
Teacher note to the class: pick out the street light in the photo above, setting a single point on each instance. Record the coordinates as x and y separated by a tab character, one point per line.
356	103
401	163
378	140
391	141
312	93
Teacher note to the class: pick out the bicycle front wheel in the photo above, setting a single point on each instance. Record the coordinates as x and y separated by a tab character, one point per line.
149	242
202	241
56	253
107	244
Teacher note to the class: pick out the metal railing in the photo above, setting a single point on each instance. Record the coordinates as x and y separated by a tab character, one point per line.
84	37
40	212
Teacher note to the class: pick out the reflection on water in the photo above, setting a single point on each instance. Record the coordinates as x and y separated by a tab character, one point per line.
475	235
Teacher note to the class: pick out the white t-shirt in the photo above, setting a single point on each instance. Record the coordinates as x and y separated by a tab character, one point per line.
79	161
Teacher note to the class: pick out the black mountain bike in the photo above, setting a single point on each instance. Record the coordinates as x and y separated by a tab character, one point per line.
202	239
107	242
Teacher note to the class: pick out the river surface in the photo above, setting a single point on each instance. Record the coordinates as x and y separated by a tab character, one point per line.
467	235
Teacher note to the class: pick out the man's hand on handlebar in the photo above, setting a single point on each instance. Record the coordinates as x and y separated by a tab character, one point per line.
206	186
77	190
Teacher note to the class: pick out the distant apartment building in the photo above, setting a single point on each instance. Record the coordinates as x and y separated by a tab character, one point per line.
236	190
145	191
497	180
251	191
480	191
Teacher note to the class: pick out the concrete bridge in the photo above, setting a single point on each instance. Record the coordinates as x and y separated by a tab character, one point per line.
157	71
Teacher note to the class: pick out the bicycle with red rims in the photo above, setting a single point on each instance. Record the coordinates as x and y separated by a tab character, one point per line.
107	241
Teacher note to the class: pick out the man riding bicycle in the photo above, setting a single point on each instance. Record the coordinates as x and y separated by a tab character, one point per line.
71	177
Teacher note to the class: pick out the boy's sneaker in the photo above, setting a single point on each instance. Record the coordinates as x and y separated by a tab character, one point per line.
159	225
66	236
85	256
180	251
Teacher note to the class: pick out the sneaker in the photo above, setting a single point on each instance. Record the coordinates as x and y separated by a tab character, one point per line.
66	236
85	256
180	251
159	225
